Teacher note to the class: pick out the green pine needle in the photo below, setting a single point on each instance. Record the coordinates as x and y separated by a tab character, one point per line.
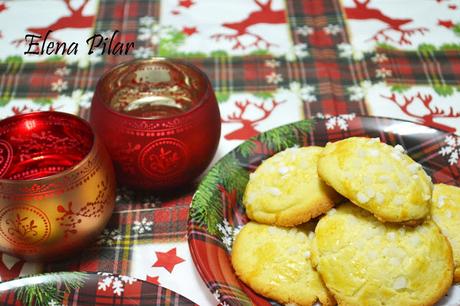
41	294
45	292
234	176
279	138
207	207
246	148
286	136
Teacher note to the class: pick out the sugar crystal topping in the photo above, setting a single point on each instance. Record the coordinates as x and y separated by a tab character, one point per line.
362	197
400	283
441	201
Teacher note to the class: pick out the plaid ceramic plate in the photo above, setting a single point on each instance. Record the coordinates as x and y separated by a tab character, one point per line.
81	288
217	214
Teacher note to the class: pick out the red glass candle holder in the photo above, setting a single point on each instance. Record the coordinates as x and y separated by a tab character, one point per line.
160	121
57	185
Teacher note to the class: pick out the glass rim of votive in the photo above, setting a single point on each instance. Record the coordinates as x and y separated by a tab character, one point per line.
64	172
202	100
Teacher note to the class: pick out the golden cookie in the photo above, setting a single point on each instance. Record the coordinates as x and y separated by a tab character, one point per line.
365	262
286	190
445	211
275	262
377	177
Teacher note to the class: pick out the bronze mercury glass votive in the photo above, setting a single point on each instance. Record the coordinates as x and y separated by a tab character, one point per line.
57	185
160	121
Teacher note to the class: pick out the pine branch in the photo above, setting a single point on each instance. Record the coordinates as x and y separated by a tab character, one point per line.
42	293
246	148
279	138
286	136
234	176
207	208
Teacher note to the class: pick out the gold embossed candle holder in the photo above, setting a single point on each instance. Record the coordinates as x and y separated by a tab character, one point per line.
159	120
57	185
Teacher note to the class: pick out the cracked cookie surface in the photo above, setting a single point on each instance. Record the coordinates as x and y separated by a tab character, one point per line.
285	189
377	177
275	262
365	262
445	212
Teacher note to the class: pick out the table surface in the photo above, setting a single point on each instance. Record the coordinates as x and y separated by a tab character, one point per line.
271	62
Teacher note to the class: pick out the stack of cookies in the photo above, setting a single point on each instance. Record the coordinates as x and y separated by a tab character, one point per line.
392	239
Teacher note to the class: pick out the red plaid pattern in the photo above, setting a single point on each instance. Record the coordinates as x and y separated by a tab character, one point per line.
324	68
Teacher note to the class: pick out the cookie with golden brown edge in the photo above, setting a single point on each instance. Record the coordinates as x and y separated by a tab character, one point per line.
445	211
285	189
377	177
275	262
363	261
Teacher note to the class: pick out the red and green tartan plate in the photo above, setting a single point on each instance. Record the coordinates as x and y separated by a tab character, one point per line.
216	213
82	288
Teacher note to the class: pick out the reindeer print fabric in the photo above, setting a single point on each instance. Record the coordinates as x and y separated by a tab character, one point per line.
271	62
404	25
69	21
245	115
241	28
420	104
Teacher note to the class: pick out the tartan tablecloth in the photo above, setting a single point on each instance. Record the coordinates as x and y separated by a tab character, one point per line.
271	62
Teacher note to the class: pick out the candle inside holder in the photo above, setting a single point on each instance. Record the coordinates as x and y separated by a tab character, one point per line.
163	89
